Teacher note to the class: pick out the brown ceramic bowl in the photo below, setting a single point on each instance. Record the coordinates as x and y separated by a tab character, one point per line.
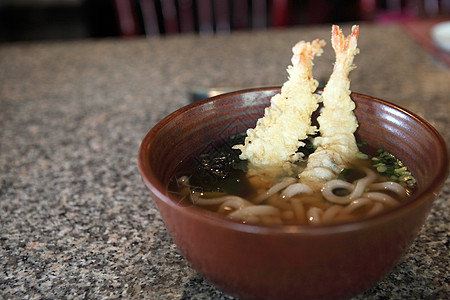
291	262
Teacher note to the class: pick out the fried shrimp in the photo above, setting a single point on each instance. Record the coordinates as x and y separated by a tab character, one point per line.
336	145
273	143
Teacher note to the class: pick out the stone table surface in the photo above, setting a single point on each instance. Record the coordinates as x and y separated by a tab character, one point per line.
75	218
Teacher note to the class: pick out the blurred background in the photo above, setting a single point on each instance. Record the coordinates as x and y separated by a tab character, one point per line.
29	20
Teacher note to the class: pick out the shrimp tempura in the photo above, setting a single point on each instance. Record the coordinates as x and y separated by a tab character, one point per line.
337	122
273	143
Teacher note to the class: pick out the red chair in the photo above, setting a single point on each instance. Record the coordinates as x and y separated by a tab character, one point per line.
398	10
162	17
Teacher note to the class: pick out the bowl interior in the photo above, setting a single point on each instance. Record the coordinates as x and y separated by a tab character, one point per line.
191	130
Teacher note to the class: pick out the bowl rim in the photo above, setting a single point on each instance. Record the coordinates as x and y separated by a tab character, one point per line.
159	191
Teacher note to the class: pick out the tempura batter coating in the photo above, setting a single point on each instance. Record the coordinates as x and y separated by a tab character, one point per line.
273	143
336	145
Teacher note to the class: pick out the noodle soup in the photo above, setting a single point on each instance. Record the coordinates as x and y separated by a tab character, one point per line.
220	182
304	164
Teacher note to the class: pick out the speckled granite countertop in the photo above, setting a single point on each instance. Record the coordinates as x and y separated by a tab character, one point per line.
75	219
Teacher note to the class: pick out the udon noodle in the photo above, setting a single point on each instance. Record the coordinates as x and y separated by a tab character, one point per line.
286	201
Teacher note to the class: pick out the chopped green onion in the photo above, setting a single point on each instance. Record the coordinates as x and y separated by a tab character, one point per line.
400	170
388	165
393	178
361	155
381	169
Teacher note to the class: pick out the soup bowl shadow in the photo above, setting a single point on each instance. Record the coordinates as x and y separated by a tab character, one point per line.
290	261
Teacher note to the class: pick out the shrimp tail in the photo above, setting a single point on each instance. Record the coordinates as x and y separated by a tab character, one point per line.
345	48
340	43
304	52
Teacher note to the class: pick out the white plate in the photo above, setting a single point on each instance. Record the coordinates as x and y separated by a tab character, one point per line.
440	33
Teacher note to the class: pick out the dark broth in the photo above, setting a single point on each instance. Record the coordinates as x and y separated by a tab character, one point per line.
219	172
